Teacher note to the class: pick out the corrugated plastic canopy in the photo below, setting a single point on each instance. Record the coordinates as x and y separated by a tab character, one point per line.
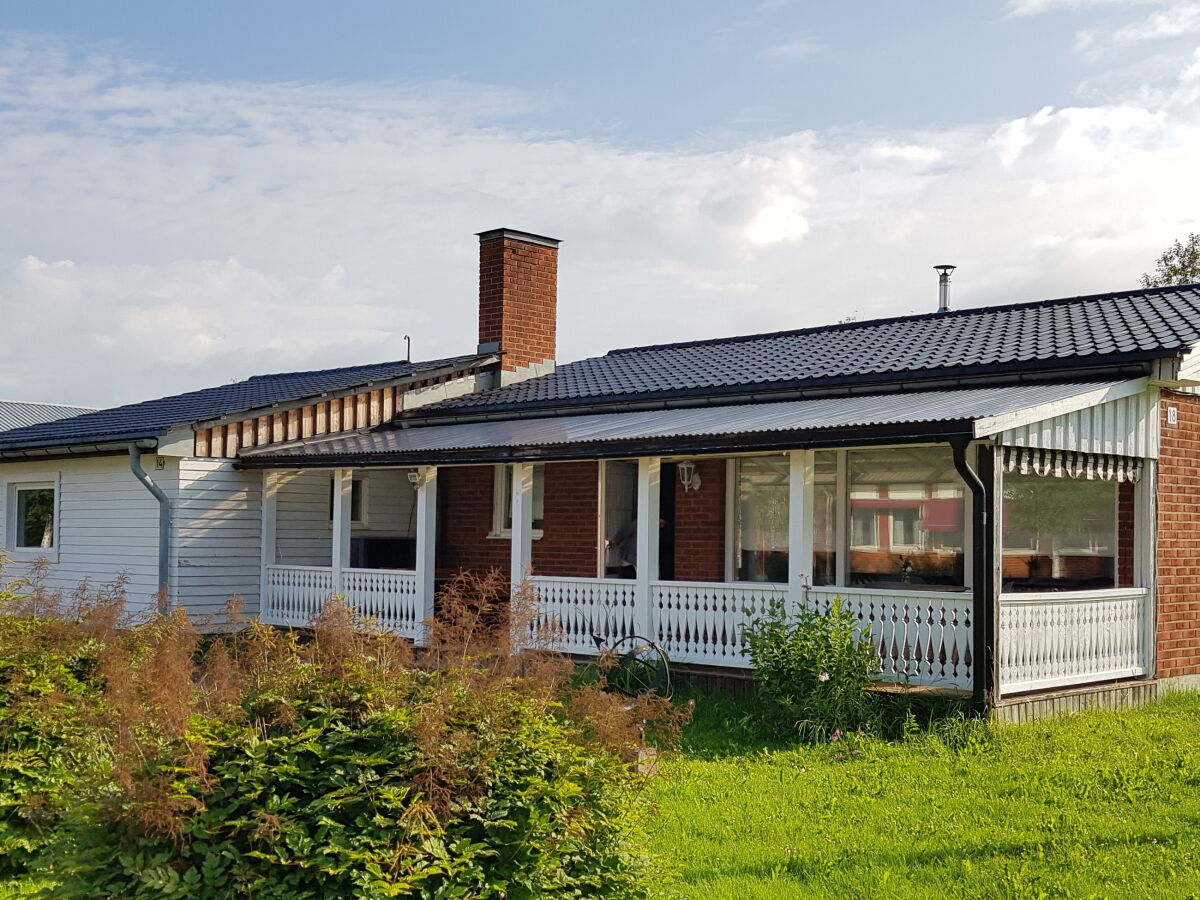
687	430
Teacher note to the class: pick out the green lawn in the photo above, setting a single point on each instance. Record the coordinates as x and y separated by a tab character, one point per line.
1095	805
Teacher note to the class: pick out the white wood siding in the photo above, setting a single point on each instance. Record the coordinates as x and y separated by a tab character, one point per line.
107	522
216	538
391	504
303	531
1124	427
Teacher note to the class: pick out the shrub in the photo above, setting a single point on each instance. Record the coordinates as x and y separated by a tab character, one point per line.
812	668
48	695
268	764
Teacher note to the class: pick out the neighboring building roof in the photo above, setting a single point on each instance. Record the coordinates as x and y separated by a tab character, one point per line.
154	418
1069	333
926	414
19	413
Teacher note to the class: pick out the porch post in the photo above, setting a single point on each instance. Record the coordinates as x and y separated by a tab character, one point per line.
649	495
522	522
426	542
269	512
800	527
1145	556
343	488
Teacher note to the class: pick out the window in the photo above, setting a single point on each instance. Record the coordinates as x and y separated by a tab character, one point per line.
761	532
502	504
906	518
32	520
1059	533
357	493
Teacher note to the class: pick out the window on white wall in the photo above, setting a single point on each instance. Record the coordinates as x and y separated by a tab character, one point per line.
502	504
32	520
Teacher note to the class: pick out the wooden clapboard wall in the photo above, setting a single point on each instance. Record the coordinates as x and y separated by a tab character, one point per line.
349	413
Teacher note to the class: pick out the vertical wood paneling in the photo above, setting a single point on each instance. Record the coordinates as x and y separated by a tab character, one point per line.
1124	427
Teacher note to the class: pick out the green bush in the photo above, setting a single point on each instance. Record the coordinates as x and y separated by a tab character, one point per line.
813	669
273	764
48	693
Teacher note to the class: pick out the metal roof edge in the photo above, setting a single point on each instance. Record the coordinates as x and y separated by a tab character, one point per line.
990	426
63	451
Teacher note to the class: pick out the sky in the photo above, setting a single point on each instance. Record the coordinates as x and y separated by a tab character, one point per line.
197	193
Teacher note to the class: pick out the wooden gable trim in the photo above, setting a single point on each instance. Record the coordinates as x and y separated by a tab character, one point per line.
366	409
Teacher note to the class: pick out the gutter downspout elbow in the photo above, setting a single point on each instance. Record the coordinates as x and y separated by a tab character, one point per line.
982	689
164	522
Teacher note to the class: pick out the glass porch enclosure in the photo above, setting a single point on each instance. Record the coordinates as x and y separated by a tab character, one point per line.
687	551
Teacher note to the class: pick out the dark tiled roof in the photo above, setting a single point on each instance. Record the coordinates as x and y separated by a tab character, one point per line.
154	417
19	413
1046	334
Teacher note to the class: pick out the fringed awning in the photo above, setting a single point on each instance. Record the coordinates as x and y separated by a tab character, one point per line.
1065	464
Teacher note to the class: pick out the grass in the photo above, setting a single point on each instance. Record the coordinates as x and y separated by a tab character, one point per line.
1100	804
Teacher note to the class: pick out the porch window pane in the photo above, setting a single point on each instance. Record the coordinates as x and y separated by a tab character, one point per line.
825	517
906	518
1060	534
761	538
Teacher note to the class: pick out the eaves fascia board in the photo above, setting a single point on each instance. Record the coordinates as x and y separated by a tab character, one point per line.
99	447
867	435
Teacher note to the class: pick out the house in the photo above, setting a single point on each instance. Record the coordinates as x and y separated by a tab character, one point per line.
19	413
1004	496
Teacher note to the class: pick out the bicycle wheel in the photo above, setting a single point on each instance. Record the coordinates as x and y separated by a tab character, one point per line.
641	667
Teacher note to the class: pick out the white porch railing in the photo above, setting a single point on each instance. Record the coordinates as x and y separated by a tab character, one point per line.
920	637
571	610
702	622
1057	639
389	596
295	594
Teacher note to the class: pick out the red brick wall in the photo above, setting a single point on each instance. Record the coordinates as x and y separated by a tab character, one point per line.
464	520
568	543
518	299
567	546
1178	639
700	525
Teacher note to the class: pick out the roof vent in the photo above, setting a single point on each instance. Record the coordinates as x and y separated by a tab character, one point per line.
944	286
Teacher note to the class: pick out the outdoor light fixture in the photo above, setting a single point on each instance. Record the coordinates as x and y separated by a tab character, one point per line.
414	477
688	476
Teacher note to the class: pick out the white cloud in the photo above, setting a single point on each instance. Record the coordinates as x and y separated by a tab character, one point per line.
164	235
796	48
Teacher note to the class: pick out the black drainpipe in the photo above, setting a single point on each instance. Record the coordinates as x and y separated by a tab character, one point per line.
164	522
983	620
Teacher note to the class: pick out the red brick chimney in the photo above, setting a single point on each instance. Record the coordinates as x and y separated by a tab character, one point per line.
518	297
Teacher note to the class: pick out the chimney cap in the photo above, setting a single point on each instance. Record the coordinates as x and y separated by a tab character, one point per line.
945	269
512	233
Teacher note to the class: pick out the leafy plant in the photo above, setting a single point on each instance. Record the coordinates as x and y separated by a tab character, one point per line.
267	763
813	669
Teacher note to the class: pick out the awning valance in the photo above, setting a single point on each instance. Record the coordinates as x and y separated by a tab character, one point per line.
1064	464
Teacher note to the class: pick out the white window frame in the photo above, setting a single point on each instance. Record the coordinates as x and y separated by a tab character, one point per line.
502	496
28	554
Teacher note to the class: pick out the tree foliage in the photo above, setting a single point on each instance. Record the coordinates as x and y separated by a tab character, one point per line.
1179	264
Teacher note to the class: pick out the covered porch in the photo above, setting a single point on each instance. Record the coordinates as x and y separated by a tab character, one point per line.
972	563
